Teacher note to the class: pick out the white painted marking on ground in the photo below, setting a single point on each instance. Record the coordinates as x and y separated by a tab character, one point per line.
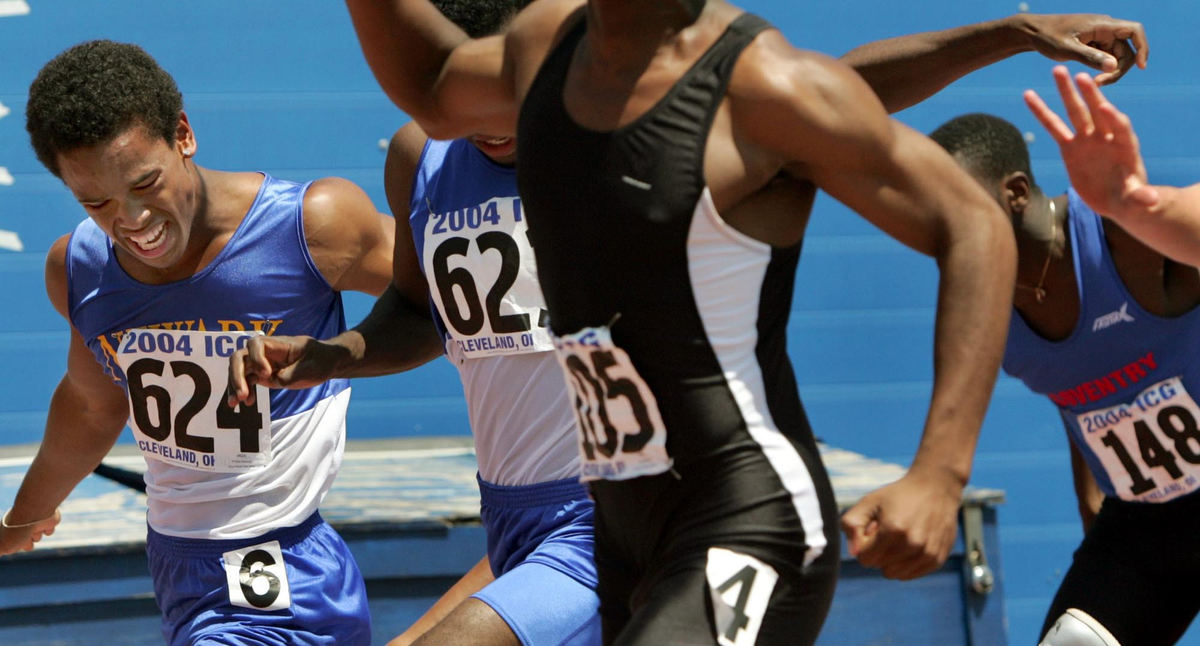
11	241
13	8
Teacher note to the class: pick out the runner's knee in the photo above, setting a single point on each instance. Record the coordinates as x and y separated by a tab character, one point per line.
1077	628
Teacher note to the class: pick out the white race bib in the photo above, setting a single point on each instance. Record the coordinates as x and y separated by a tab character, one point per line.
257	577
483	279
176	382
621	432
1149	447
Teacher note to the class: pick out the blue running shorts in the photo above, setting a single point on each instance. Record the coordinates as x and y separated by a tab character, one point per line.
295	586
540	546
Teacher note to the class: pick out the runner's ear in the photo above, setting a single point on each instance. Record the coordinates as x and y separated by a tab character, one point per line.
1017	191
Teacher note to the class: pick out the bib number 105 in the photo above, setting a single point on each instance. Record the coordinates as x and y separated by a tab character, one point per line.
622	434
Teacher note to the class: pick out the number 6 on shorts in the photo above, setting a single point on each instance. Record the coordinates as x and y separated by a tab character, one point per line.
257	577
740	587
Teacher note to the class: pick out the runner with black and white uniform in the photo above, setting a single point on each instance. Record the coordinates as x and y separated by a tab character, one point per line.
668	165
671	330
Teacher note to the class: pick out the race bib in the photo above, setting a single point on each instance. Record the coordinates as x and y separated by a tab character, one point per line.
740	588
621	433
176	382
257	577
483	279
1149	447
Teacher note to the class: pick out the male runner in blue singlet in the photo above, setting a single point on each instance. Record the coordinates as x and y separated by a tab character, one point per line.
1109	330
462	246
175	268
669	155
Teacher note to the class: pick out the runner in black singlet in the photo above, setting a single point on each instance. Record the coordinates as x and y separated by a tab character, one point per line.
700	310
670	155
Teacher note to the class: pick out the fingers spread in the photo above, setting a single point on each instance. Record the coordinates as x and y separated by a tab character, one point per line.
1094	100
1048	118
1077	110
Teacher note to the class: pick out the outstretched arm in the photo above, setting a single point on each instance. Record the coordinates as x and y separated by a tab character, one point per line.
909	187
1105	165
398	334
87	414
906	70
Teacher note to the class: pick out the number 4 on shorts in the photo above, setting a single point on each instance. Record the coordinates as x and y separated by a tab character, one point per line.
740	587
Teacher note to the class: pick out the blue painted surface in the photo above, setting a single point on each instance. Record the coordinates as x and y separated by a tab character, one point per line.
410	516
282	87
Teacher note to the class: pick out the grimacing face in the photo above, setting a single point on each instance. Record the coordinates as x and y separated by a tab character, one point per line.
502	150
138	188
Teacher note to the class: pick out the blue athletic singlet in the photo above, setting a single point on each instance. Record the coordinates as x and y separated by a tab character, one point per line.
472	242
1125	381
214	472
236	548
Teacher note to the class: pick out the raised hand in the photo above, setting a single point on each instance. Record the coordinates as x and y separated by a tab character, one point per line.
1102	42
1101	153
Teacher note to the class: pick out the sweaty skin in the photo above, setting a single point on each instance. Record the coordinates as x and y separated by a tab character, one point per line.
791	121
168	218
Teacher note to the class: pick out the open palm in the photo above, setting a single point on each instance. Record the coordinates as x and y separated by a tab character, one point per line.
1101	152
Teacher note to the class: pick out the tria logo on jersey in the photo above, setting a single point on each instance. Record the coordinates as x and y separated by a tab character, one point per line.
1112	318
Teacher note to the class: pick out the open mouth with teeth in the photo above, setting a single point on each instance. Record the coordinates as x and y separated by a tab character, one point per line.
495	146
150	241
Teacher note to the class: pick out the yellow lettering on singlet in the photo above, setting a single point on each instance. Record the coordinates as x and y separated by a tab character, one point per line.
267	326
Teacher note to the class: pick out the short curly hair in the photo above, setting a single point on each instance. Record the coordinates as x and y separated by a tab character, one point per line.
94	91
480	18
990	146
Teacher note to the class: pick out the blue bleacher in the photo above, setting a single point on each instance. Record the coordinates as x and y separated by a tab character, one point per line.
282	87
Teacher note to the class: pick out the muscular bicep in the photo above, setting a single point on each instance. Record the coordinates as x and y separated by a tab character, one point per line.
906	185
826	125
349	240
429	67
475	93
453	85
